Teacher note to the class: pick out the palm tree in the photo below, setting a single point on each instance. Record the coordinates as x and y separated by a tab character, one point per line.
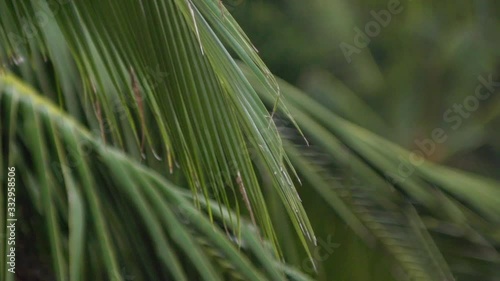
148	141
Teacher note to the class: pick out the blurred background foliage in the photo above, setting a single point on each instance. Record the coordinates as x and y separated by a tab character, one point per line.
426	59
125	203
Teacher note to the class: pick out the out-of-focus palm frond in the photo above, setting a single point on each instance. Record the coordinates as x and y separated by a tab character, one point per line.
381	200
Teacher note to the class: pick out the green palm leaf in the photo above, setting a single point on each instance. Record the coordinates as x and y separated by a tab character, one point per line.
370	205
111	213
155	79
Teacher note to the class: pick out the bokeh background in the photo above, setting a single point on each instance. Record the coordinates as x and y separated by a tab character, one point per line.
427	58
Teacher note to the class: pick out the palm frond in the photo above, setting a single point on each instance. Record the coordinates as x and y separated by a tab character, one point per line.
155	79
372	207
111	217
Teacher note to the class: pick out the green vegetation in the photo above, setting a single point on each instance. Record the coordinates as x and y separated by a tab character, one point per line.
150	141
